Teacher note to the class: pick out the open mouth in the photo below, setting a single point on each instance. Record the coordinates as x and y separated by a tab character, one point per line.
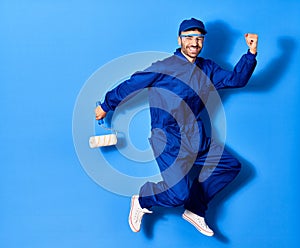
193	49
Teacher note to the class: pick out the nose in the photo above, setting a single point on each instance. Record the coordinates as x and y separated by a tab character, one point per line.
194	42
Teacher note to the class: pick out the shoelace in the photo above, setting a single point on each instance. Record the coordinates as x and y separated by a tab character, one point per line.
202	222
138	215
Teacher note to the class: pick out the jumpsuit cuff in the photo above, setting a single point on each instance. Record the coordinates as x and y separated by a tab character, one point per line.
104	107
250	55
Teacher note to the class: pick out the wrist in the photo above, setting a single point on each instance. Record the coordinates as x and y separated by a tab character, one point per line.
253	51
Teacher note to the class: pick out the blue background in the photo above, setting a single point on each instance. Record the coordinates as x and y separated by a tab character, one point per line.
48	49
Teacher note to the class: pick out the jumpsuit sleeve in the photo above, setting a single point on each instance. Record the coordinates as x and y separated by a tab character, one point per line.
237	78
136	82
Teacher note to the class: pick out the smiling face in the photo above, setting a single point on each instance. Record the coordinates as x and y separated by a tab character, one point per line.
191	43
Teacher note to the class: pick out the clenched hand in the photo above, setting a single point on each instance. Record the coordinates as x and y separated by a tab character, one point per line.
99	113
252	40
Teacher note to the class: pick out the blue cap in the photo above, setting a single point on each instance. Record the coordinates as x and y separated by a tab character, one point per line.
192	24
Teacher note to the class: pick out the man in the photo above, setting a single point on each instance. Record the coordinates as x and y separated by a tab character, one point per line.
178	90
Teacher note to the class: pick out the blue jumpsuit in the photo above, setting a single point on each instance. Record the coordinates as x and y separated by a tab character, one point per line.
178	91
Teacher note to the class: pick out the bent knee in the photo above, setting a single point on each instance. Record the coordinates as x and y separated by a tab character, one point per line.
236	165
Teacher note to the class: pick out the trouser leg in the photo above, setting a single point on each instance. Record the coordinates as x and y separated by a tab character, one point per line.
160	194
173	190
174	164
217	172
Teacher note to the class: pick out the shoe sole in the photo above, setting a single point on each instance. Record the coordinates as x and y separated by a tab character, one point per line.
129	219
201	230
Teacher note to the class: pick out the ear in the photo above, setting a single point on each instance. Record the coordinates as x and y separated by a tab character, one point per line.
179	41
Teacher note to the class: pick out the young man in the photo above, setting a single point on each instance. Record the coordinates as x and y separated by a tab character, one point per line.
178	90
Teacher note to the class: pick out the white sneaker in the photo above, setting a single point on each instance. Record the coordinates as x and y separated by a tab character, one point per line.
198	222
136	214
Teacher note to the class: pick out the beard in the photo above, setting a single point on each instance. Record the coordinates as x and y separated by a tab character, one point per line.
191	51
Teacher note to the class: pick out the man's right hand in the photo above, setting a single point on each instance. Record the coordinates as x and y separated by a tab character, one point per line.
99	113
252	40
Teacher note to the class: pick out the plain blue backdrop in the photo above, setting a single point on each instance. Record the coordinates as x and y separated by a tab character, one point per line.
48	49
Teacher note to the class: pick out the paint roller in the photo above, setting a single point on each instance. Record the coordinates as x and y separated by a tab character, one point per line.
103	140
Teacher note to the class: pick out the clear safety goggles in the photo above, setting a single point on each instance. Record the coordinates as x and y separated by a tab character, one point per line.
191	37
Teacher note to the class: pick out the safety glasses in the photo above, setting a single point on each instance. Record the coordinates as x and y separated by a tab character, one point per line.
191	37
